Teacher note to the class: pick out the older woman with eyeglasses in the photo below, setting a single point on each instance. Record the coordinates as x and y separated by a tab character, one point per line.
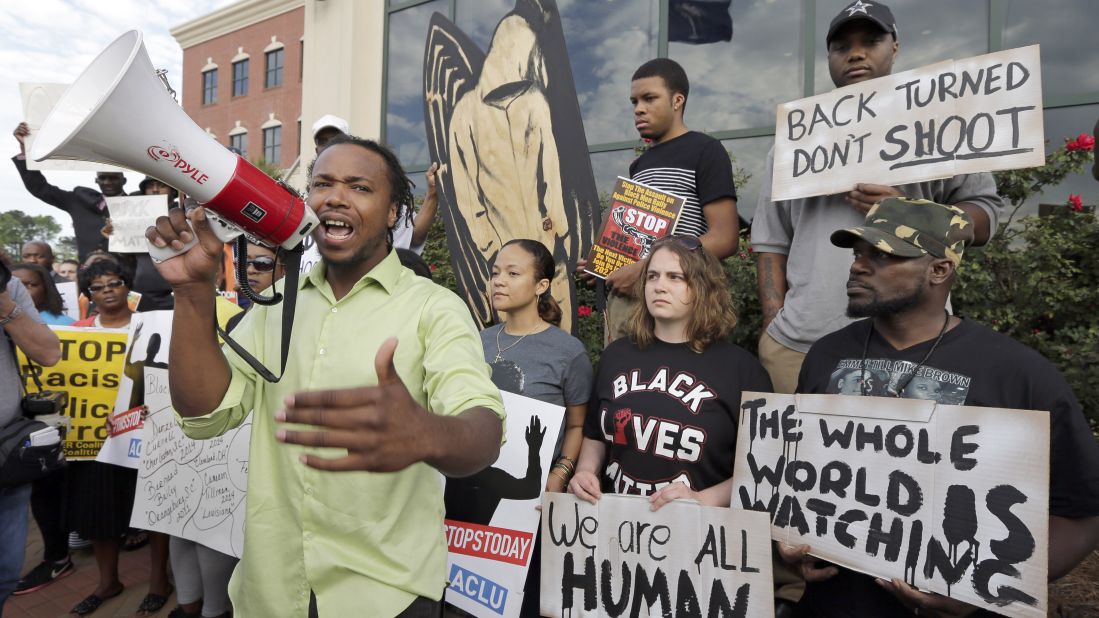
101	495
662	421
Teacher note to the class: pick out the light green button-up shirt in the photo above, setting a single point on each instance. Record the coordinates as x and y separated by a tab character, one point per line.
365	543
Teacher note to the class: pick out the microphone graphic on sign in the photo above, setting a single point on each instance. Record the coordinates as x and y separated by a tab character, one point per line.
117	112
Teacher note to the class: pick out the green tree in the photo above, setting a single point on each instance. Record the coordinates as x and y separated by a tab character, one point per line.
17	227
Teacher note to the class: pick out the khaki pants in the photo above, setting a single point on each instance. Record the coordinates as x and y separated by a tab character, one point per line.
618	313
782	363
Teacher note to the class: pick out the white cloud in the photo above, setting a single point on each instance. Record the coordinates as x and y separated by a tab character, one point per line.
52	41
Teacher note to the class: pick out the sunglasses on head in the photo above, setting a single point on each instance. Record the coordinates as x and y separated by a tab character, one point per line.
114	284
690	243
262	264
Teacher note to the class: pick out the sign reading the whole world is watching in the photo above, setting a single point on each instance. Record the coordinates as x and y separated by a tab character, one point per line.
980	114
952	499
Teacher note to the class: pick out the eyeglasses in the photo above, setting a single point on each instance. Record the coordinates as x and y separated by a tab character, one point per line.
113	284
690	243
262	264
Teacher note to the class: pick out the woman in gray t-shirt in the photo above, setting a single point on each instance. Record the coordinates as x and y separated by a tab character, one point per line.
529	354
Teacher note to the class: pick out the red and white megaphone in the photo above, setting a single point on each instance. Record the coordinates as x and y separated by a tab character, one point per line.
117	112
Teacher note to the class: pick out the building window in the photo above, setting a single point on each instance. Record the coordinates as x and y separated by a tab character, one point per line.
301	64
240	142
240	78
272	145
274	69
209	86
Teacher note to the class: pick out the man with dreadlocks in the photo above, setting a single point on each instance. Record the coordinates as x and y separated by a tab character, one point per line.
319	541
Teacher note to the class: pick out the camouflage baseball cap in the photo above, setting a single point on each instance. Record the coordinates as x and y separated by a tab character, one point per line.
912	228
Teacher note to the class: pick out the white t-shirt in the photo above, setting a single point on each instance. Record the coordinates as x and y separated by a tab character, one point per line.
402	236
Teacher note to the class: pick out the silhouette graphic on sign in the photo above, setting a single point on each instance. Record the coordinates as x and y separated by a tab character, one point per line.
474	499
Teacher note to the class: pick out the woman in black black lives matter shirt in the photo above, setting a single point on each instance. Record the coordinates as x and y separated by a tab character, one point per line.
663	419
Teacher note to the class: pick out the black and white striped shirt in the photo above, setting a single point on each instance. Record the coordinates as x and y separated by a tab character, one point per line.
693	166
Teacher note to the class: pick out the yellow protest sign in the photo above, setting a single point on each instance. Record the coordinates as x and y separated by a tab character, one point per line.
90	371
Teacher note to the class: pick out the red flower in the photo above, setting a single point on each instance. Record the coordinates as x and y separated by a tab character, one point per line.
647	140
583	311
1082	142
1075	202
432	267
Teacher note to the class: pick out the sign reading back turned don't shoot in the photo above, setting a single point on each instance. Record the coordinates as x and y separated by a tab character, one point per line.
951	499
980	114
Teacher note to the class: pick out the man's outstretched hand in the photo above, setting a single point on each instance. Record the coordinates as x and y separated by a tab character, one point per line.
382	427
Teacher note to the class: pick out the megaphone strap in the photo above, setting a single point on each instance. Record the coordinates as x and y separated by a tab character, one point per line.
292	260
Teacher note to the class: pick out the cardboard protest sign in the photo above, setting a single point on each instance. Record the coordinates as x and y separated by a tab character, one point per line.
491	517
90	370
638	216
951	499
147	346
193	489
39	100
980	114
131	215
618	558
70	299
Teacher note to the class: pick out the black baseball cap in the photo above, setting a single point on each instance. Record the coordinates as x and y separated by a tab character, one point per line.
875	12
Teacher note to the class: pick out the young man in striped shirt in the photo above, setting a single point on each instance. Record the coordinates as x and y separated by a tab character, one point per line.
686	163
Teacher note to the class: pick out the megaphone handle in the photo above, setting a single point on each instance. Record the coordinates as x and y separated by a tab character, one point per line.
224	230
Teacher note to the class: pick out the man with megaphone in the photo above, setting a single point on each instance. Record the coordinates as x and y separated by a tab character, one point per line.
344	497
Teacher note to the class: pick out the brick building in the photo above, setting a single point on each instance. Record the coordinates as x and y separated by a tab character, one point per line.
242	74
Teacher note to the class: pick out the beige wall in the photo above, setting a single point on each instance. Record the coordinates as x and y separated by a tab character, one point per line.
344	41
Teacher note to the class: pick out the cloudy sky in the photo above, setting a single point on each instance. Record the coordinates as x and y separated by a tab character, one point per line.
52	41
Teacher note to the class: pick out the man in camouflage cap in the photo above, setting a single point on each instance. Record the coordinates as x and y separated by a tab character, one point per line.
906	254
912	228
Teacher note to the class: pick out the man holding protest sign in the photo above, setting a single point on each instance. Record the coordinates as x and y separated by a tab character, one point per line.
682	162
426	405
86	206
800	273
906	256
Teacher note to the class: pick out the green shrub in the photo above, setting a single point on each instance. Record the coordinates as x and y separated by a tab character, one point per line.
1038	279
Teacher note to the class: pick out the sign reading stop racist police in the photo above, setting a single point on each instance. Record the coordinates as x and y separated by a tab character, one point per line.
90	370
980	114
638	216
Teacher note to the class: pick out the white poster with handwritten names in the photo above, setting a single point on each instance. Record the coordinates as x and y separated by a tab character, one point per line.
193	489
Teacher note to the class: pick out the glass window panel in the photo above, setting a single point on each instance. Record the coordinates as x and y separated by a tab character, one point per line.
750	154
272	145
210	86
608	166
240	78
607	41
1061	123
1066	31
274	68
404	111
736	84
929	32
240	142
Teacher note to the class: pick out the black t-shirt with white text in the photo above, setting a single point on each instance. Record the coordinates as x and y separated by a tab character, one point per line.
669	414
693	166
972	366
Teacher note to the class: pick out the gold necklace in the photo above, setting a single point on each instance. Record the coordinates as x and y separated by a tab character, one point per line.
500	351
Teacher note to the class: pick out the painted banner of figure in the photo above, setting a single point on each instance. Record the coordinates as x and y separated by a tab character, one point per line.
506	130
